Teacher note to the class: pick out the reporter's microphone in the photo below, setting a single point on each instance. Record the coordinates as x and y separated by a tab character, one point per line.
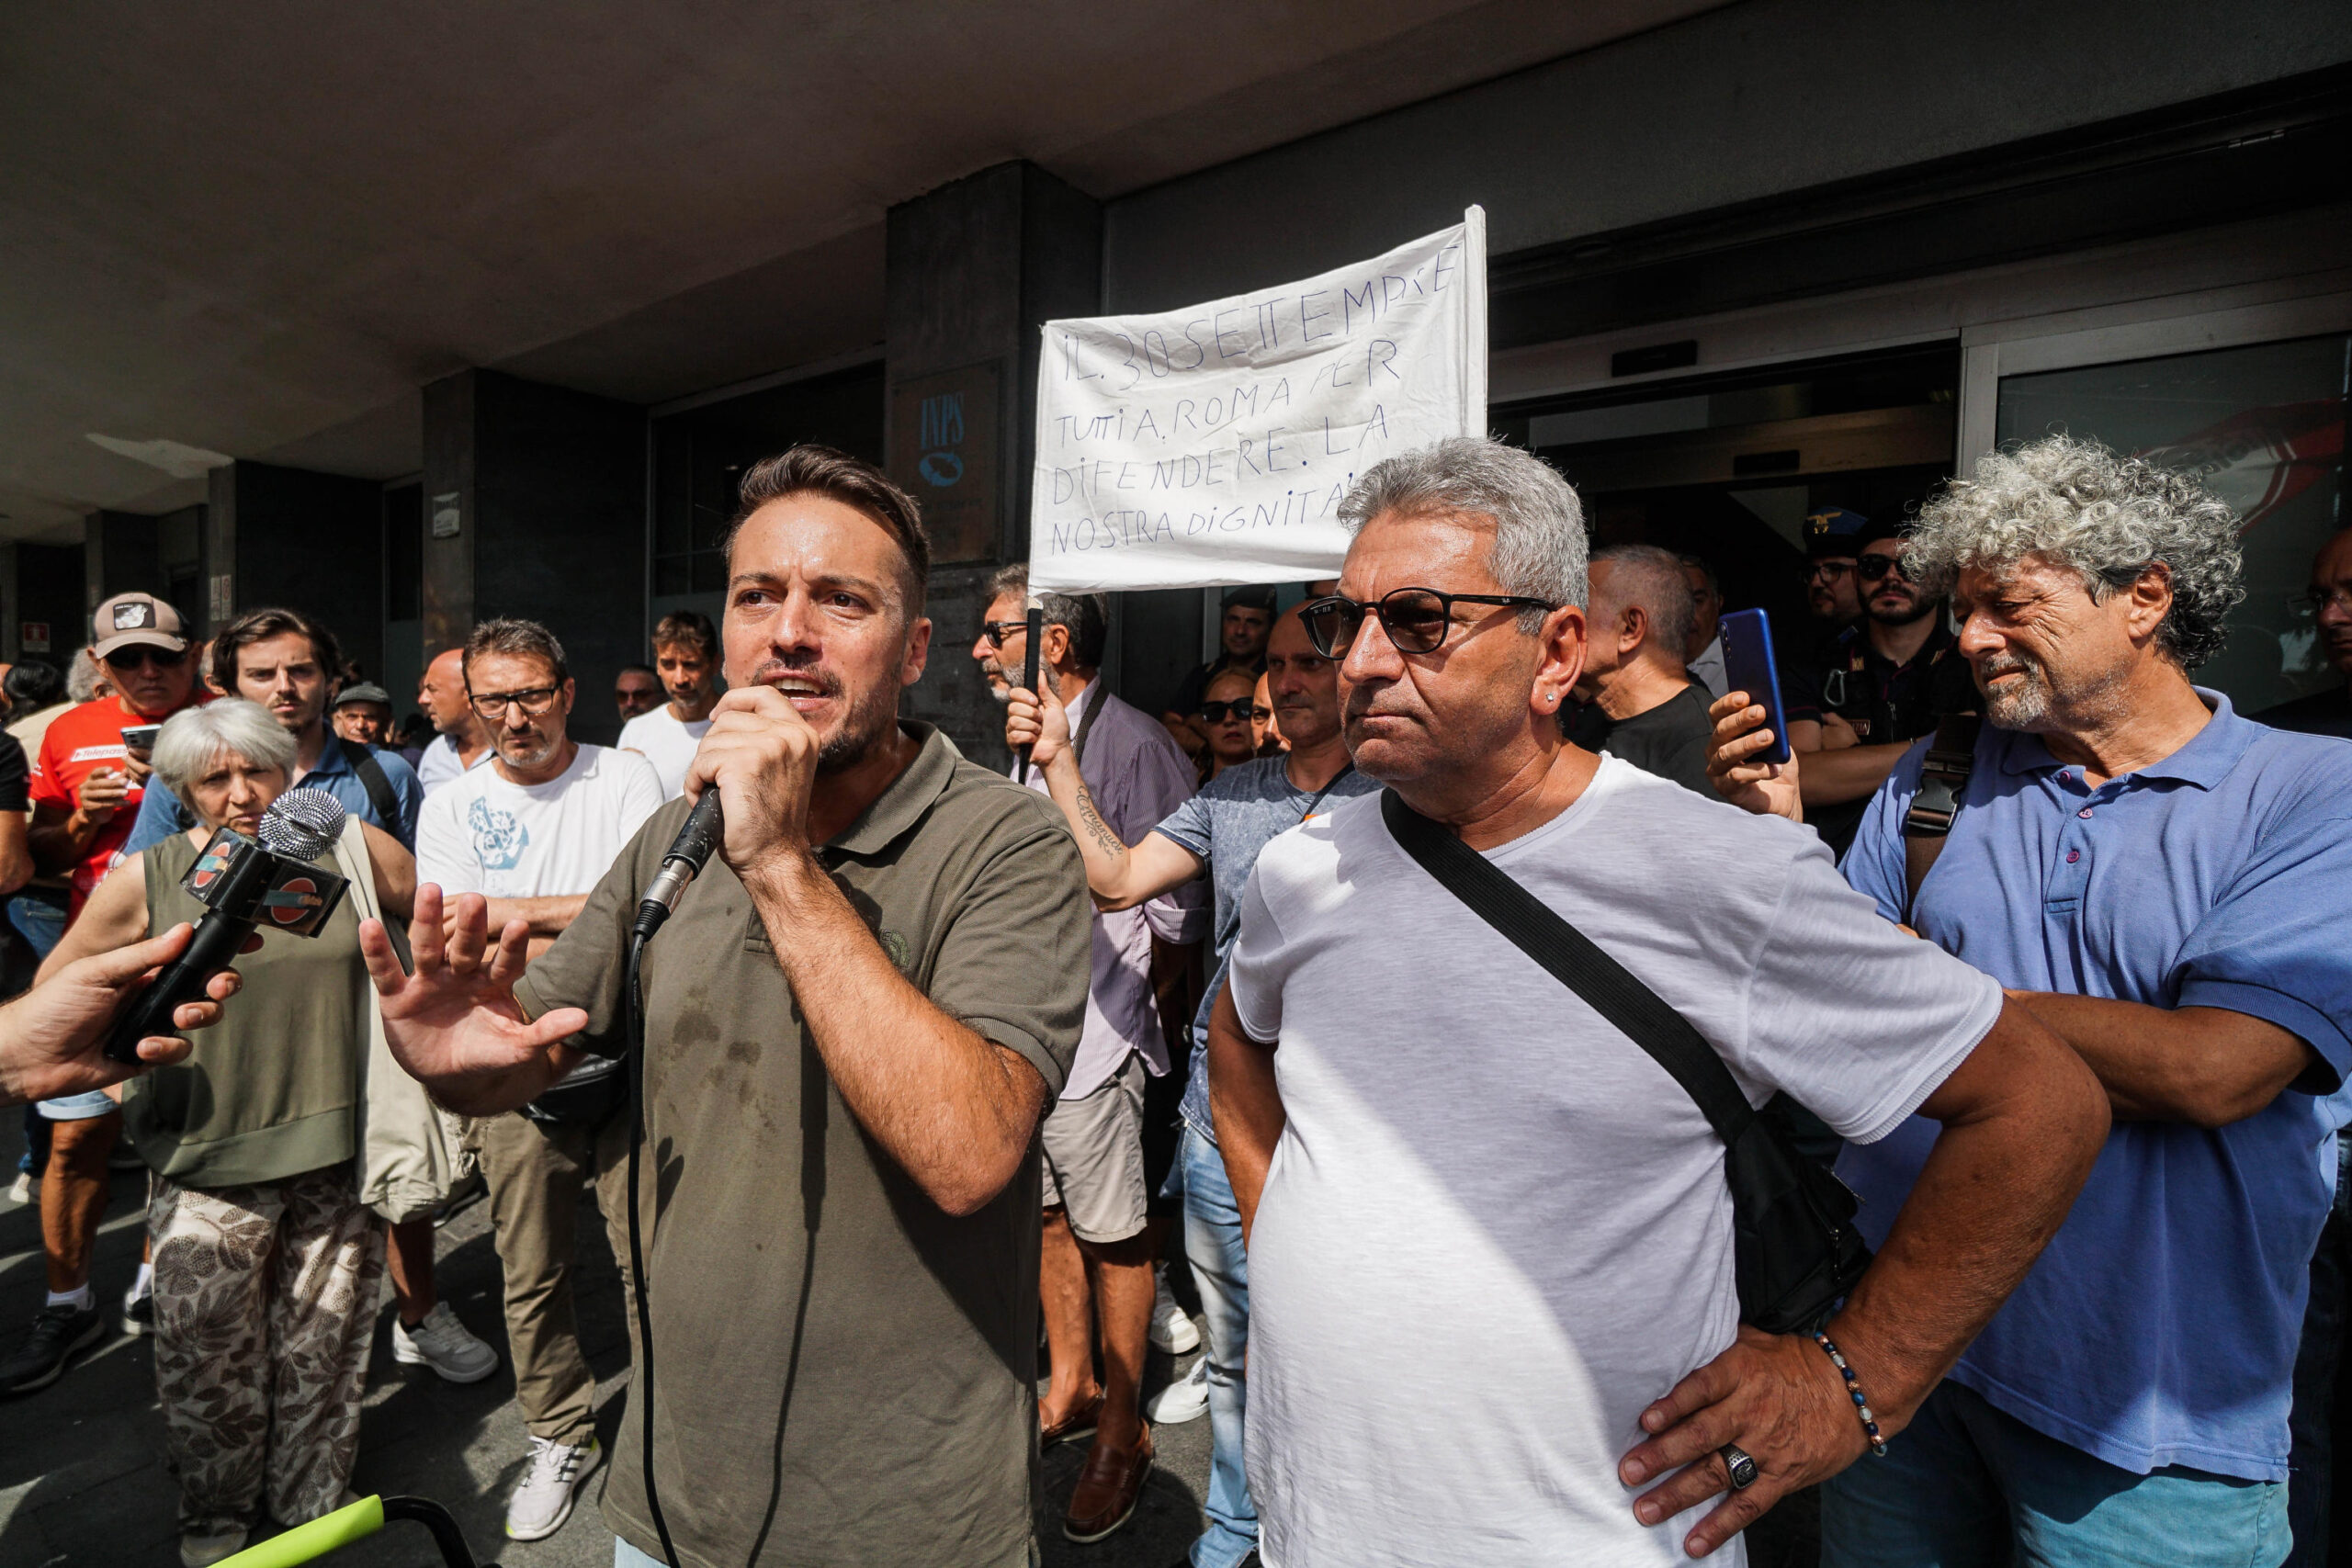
689	852
243	883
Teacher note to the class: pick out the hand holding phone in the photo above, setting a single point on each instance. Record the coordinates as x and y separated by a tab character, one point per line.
1749	666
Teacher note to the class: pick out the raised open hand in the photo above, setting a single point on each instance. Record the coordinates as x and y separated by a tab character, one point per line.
453	1024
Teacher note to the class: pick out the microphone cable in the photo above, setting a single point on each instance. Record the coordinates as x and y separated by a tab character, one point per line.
643	1379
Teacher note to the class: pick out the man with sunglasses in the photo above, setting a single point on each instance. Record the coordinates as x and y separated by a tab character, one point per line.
1493	1305
87	787
534	832
1105	1150
1880	684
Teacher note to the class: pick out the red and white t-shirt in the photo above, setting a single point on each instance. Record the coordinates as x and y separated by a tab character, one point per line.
79	742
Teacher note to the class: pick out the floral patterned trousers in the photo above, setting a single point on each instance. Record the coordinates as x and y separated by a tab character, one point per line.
264	1299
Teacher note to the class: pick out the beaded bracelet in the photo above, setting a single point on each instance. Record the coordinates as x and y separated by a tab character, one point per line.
1854	1391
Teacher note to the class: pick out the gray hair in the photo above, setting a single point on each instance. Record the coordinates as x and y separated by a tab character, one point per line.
1538	551
516	638
194	739
2106	517
1652	579
82	676
1086	616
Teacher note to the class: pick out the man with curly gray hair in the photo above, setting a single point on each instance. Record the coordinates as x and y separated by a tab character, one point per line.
2139	865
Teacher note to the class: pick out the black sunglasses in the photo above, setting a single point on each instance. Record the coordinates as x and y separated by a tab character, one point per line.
1241	707
131	658
1417	620
997	631
1871	568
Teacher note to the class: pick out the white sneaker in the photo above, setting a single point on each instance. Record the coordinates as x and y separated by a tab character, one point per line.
443	1344
1186	1399
543	1501
26	1189
1170	1330
201	1550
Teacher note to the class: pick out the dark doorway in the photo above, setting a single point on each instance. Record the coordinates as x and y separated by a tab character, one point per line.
1728	467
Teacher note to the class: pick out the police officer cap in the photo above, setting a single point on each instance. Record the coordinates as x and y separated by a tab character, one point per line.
1834	531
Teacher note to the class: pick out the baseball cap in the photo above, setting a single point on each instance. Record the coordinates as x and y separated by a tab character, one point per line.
130	620
1872	532
363	692
1834	532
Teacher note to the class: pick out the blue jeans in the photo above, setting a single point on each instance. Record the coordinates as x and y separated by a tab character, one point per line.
41	920
1213	1246
1967	1487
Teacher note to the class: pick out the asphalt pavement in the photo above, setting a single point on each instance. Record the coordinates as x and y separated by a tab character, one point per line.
83	1481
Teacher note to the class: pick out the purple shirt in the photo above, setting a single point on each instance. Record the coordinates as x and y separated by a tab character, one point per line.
1136	776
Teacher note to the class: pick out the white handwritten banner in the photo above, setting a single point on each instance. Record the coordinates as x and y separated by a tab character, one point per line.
1213	444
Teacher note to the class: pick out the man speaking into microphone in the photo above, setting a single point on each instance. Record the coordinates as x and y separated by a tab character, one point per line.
853	1023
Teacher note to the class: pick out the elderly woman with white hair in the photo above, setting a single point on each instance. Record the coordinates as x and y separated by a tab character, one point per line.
266	1259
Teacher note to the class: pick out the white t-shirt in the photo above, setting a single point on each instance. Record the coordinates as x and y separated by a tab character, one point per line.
1494	1229
482	834
668	742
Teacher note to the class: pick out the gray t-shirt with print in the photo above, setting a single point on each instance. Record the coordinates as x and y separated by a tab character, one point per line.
1237	814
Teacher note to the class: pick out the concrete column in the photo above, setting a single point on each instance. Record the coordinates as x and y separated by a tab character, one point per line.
974	268
535	506
305	541
123	557
48	587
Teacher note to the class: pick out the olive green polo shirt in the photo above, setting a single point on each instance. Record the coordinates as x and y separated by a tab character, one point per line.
844	1373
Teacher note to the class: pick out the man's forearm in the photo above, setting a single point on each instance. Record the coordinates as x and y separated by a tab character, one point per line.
2003	1172
62	842
2208	1066
545	916
954	1109
1852	772
1246	1106
1104	851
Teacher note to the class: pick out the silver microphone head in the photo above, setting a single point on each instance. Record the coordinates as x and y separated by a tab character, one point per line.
301	824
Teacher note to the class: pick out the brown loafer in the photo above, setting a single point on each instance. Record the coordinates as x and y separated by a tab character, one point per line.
1108	1489
1079	1423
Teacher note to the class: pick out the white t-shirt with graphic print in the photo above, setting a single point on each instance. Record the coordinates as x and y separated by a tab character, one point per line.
479	833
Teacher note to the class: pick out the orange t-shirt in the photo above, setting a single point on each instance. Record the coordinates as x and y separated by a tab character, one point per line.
79	742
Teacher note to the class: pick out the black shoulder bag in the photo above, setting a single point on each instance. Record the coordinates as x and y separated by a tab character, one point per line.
1795	1251
375	781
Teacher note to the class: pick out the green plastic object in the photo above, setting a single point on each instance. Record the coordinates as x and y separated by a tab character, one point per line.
307	1543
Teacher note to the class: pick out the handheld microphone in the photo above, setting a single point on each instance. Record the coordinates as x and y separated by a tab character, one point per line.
243	883
688	853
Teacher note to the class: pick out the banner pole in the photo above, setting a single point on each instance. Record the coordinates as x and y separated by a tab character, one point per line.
1029	670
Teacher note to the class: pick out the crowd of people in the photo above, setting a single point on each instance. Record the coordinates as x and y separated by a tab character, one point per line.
2027	939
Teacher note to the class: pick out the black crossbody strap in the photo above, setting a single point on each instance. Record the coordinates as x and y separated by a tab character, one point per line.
1607	985
376	781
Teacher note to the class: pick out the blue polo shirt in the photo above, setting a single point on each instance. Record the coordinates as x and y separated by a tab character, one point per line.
161	814
2159	1329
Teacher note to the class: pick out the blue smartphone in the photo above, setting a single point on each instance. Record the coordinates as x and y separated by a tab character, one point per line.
1749	667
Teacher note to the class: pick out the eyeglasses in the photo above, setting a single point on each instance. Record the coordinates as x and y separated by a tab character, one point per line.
2318	599
1828	570
995	632
1871	568
1234	711
1417	620
493	704
129	659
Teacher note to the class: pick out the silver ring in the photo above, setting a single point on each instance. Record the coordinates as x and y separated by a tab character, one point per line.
1741	1465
